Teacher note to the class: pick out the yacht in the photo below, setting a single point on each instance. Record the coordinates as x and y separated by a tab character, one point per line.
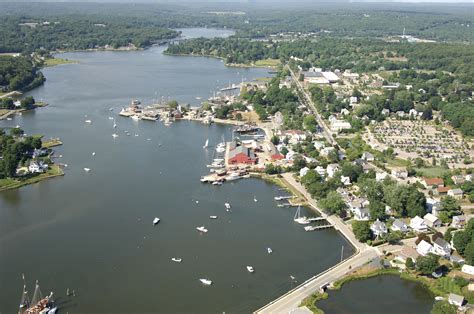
300	219
156	220
250	269
269	250
206	282
88	121
220	148
202	229
213	217
176	259
87	169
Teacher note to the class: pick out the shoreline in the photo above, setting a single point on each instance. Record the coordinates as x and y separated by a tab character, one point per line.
230	65
16	184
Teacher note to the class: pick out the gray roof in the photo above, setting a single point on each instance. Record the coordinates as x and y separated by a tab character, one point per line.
441	242
398	223
457	191
312	74
242	150
456	298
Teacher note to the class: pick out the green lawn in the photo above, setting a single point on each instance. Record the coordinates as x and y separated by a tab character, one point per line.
432	171
51	62
267	63
397	162
7	184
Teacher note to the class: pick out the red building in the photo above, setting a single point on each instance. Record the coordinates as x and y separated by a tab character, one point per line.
274	153
241	155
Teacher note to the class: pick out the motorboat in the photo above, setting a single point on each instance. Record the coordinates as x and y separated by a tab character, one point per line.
205	282
88	121
93	153
269	250
156	220
310	228
255	199
227	205
176	259
206	145
87	169
213	217
217	183
250	269
135	117
114	135
202	229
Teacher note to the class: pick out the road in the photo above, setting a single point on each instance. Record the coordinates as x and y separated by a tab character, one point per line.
364	253
309	103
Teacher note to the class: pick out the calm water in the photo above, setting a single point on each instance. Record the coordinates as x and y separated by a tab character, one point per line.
92	232
382	294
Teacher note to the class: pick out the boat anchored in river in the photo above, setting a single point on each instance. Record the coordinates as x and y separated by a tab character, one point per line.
300	219
38	304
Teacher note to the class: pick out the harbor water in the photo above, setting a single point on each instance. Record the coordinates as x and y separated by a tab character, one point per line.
92	232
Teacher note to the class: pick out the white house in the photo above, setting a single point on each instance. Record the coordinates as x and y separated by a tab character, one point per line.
380	176
332	169
455	299
303	171
37	167
400	173
294	136
418	224
467	269
432	221
321	171
345	180
456	193
345	112
378	228
353	100
319	145
368	156
360	212
424	248
326	151
399	225
441	247
338	125
433	206
385	112
458	221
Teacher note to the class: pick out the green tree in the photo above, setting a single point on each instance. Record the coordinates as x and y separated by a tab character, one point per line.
362	230
333	203
443	307
377	210
460	240
469	252
427	264
409	263
275	140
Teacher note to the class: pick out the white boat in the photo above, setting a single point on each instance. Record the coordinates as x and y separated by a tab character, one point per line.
255	199
233	176
220	149
310	228
87	169
88	121
114	135
213	217
202	229
301	220
198	97
227	205
135	117
111	118
217	183
156	220
269	250
206	145
53	310
206	282
93	153
176	259
9	119
250	269
111	109
115	124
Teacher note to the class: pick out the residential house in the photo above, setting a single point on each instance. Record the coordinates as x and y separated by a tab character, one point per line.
241	155
345	180
368	156
418	224
468	269
469	177
407	252
456	193
358	209
433	206
294	136
326	151
339	125
353	100
413	113
441	247
433	183
274	153
385	112
380	176
319	145
458	179
424	248
432	221
455	299
442	190
332	169
345	112
303	171
378	228
399	225
37	167
458	221
400	173
321	171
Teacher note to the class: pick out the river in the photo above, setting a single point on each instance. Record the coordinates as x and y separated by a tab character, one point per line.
387	294
93	233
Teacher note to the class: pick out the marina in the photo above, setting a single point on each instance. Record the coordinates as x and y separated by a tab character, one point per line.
134	180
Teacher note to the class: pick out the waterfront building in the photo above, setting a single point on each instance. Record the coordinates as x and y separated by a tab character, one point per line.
424	248
405	253
241	155
378	228
432	221
441	247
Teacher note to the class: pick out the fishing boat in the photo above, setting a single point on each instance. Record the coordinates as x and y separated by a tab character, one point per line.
156	220
88	121
269	250
206	145
176	259
205	282
87	169
227	205
114	135
202	229
213	217
250	269
300	219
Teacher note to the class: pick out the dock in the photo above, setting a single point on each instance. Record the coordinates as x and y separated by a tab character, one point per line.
313	228
282	198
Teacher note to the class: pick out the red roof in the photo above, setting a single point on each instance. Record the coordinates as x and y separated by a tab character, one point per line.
443	189
434	181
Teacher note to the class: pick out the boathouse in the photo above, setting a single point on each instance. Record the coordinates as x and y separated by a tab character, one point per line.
242	155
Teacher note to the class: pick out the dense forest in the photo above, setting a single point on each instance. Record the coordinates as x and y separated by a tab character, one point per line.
24	34
18	73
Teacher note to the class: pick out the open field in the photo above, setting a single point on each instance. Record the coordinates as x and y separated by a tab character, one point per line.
51	62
